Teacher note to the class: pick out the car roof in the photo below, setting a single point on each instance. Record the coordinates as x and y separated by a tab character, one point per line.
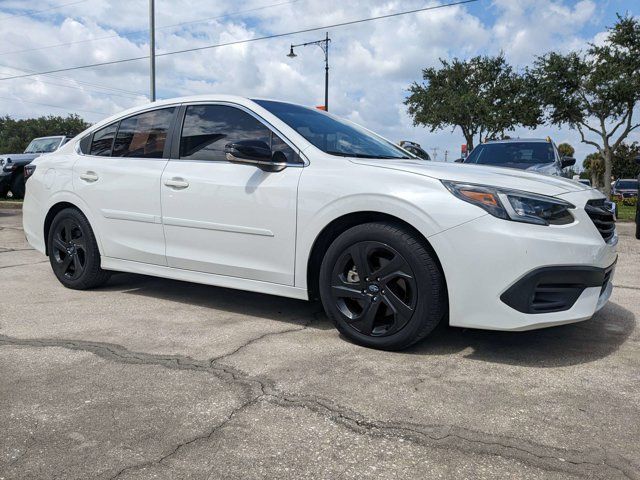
50	136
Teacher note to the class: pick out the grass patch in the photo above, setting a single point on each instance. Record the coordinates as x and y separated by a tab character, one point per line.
626	213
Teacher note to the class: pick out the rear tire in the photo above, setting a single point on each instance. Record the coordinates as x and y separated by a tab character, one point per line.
73	251
18	186
382	286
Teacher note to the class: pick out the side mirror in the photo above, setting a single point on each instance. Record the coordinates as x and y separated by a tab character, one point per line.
254	152
567	162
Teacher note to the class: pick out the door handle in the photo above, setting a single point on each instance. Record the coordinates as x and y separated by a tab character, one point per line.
176	183
89	177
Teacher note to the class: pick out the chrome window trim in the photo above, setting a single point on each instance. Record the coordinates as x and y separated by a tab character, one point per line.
76	147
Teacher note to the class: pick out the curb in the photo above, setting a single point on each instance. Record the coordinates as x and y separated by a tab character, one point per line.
6	205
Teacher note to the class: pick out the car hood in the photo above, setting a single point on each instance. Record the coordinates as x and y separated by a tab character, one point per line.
482	174
20	157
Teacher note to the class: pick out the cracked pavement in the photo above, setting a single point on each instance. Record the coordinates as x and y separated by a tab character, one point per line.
151	378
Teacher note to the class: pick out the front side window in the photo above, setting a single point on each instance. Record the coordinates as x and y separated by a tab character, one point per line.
143	135
330	134
103	140
208	128
513	154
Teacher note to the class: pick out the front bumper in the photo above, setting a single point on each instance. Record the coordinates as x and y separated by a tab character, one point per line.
488	259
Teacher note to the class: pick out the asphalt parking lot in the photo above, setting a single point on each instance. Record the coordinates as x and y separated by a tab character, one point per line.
151	378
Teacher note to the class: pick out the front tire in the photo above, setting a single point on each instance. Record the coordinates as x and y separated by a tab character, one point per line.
73	251
382	287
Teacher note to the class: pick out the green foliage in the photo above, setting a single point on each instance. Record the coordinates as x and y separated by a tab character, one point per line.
482	96
624	161
594	167
595	92
566	150
15	135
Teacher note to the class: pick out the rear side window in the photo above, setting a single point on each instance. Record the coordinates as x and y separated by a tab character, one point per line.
208	128
103	140
143	135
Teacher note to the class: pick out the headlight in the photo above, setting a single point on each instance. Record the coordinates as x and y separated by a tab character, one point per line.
513	204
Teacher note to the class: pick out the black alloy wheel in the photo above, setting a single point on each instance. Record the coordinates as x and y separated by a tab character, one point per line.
73	251
374	288
382	286
69	250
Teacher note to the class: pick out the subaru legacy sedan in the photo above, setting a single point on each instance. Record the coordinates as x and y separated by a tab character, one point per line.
282	199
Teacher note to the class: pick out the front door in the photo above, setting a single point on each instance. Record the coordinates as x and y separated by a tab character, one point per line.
119	179
226	218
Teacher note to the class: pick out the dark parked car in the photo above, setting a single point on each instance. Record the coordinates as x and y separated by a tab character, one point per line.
625	187
536	155
12	164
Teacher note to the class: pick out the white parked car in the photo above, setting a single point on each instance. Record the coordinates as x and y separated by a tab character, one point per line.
282	199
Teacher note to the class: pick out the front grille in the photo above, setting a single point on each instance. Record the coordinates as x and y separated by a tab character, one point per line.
602	218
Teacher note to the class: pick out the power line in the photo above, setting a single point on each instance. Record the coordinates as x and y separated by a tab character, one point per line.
98	92
135	32
28	14
53	106
67	79
249	40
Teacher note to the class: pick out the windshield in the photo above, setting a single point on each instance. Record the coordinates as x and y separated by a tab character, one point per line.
43	145
627	184
512	153
331	135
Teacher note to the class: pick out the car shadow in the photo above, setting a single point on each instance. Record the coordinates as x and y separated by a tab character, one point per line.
251	304
561	346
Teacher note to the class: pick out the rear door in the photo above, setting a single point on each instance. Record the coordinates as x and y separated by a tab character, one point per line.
119	178
227	218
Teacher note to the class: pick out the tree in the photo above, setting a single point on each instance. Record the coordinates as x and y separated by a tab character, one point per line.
566	150
624	161
15	135
594	167
483	96
595	92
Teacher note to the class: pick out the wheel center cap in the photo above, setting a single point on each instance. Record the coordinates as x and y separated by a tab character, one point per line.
373	288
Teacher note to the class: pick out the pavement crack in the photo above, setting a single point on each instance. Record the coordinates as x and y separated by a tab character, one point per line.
302	327
597	465
206	436
628	287
23	264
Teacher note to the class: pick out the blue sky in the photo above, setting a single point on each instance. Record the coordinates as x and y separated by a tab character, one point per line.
372	64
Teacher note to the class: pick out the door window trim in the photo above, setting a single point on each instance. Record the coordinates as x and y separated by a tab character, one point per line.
179	125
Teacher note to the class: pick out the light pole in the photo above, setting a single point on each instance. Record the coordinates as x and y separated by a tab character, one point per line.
152	51
324	45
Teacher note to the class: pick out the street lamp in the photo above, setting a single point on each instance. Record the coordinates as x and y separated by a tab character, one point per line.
324	45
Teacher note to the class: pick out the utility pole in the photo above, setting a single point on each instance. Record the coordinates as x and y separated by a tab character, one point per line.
152	51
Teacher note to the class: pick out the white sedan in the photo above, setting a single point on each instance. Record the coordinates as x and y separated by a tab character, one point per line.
278	198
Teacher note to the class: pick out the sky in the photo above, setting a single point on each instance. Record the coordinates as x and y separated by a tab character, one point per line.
372	65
